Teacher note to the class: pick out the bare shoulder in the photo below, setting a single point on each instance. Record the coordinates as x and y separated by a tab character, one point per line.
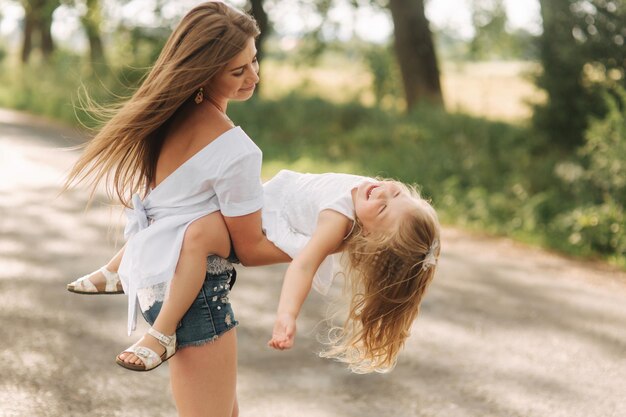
210	129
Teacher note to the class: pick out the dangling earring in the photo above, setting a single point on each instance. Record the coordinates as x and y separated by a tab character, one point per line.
199	96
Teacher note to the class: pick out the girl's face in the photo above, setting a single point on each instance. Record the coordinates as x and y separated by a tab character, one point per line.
380	205
240	77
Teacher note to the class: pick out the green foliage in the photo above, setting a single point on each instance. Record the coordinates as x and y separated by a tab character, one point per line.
492	40
489	20
41	87
582	53
385	75
138	46
597	184
55	88
605	150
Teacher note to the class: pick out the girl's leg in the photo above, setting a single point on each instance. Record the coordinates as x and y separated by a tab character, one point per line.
205	236
114	263
204	378
98	279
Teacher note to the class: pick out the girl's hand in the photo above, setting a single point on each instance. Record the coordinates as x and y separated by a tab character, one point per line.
284	332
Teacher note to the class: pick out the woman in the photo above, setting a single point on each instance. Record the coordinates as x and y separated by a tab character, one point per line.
148	146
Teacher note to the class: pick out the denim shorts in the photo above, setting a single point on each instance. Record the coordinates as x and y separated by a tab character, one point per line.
210	315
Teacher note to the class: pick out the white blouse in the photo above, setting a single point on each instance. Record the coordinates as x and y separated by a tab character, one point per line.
224	175
292	204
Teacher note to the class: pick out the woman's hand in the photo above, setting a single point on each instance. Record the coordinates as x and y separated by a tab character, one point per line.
284	332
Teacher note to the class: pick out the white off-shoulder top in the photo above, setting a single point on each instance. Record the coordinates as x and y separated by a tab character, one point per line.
224	175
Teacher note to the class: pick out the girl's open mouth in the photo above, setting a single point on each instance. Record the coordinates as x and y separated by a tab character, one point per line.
368	192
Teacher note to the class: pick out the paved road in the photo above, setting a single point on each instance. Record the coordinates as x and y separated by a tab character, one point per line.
505	330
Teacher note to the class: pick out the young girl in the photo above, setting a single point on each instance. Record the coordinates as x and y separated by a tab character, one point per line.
391	238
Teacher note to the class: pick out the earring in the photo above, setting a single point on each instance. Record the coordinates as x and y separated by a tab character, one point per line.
199	96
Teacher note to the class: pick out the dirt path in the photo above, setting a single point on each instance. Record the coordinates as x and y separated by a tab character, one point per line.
505	330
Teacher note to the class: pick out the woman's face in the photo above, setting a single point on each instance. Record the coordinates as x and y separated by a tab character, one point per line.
238	80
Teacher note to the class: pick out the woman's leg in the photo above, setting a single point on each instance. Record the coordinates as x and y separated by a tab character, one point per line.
204	378
205	236
235	408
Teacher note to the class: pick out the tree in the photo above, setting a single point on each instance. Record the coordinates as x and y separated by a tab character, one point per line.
489	20
260	15
415	52
38	21
91	22
582	53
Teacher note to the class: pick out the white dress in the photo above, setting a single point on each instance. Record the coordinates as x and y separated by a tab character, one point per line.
292	204
224	175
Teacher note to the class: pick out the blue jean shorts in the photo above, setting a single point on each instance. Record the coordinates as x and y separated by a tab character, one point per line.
210	315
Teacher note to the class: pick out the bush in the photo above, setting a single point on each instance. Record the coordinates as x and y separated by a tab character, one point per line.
596	222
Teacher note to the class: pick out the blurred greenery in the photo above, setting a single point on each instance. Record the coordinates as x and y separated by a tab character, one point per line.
491	39
583	55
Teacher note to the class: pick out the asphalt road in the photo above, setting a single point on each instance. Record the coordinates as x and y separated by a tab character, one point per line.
505	330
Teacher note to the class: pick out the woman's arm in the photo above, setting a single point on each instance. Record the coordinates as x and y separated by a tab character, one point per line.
251	245
326	239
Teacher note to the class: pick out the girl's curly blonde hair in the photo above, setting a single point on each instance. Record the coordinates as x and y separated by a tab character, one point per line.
388	278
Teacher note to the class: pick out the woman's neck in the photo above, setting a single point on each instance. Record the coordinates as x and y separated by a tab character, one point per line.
221	111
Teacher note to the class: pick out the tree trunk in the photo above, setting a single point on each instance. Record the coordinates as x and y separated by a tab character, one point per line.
27	42
260	15
415	52
38	21
45	30
565	113
91	23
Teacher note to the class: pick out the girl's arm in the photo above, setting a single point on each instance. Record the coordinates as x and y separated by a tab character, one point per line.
251	245
327	239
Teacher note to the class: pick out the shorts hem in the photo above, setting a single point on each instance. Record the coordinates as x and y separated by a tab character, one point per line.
203	342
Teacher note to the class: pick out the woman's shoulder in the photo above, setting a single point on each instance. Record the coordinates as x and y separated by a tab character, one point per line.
237	142
226	140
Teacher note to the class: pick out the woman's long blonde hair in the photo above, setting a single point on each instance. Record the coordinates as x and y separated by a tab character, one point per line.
387	277
124	151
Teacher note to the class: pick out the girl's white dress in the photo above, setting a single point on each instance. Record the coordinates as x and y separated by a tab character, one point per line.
224	175
292	204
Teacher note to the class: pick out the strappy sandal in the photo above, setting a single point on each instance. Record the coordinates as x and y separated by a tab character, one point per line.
84	286
149	357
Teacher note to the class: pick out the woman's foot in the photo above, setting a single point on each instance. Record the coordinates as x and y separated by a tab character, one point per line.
150	351
101	281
